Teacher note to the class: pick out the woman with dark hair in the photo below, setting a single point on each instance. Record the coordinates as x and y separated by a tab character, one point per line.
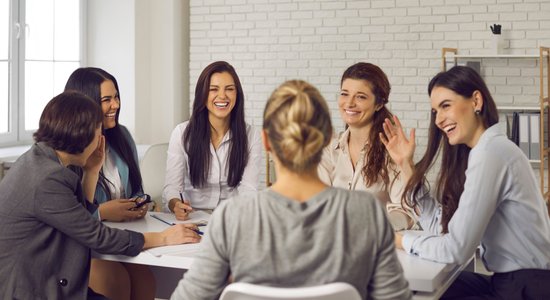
118	185
485	194
215	155
46	229
357	159
299	232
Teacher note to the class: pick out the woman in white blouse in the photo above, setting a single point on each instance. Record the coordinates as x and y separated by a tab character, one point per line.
215	155
485	195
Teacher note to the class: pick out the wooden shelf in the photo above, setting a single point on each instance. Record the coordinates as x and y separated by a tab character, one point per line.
533	56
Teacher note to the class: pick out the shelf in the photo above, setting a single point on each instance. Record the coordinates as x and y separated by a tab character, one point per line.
518	108
494	56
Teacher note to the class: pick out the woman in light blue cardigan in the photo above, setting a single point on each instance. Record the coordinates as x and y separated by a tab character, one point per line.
119	183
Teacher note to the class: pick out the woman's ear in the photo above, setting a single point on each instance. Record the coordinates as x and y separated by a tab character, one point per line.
265	141
478	101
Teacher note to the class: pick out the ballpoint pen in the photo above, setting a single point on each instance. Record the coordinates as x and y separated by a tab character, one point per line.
168	223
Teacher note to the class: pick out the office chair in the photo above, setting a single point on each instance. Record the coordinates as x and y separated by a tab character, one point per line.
330	291
153	169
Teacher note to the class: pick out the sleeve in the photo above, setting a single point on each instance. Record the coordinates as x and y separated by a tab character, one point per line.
208	275
388	281
477	204
251	175
176	167
58	205
326	166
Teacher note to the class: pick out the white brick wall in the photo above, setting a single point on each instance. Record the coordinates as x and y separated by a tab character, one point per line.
270	41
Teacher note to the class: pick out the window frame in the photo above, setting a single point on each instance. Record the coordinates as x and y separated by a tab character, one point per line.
17	135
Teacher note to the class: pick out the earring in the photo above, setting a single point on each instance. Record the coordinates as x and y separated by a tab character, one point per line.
477	111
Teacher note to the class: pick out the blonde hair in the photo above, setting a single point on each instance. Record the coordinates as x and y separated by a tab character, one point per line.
298	125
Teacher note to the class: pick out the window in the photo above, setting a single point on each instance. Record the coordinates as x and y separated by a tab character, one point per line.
43	48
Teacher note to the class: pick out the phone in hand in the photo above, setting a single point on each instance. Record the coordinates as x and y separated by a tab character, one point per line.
142	200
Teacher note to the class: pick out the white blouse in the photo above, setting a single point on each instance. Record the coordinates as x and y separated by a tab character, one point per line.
216	188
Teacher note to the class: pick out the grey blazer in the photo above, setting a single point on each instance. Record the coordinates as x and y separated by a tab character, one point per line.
47	231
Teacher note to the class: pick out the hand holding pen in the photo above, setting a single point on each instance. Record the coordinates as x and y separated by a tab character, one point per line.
182	209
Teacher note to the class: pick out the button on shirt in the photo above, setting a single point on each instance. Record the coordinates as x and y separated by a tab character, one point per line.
216	188
501	207
337	170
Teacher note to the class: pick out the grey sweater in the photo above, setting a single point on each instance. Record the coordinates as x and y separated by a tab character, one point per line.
268	239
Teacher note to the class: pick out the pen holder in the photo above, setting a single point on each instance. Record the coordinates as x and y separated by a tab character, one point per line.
497	44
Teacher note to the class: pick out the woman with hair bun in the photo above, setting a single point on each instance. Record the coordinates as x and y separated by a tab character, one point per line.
296	233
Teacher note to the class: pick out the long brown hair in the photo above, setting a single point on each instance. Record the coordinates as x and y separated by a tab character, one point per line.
463	81
196	138
378	162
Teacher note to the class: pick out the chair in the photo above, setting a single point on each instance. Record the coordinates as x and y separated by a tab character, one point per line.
330	291
153	169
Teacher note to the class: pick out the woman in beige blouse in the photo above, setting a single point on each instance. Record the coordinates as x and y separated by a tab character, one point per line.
356	159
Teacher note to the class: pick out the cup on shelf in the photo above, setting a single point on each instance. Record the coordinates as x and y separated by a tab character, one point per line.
497	44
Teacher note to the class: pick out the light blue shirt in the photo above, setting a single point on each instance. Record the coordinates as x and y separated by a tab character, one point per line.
501	208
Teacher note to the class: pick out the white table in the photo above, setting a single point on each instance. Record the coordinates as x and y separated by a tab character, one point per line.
428	280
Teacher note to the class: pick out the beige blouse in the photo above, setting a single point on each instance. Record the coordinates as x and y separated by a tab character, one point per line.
337	170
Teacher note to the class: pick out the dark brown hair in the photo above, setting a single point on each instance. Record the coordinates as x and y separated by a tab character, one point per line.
378	162
196	138
69	122
463	81
88	81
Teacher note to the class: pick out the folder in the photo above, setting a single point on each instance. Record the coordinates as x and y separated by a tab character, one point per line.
524	133
534	128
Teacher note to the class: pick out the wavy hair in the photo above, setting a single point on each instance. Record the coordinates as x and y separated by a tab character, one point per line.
379	164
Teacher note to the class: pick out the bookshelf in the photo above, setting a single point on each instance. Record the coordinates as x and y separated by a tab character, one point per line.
542	107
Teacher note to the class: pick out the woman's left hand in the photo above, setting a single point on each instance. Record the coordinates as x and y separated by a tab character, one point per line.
95	161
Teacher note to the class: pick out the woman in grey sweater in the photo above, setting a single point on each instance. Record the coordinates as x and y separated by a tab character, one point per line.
300	232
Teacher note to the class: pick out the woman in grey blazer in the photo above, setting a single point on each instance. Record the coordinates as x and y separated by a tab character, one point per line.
46	230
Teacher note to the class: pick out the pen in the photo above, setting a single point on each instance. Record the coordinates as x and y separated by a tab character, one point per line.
181	197
163	221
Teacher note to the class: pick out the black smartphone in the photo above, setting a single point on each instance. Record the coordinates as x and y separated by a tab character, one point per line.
142	200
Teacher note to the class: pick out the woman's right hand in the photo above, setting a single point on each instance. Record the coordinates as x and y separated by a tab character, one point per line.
173	235
400	149
120	210
181	209
181	234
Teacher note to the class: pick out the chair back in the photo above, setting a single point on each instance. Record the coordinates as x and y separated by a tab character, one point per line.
153	169
330	291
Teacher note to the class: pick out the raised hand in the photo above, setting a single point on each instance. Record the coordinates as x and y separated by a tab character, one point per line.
399	147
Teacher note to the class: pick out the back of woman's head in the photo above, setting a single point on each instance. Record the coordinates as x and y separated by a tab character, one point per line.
298	125
69	122
465	81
